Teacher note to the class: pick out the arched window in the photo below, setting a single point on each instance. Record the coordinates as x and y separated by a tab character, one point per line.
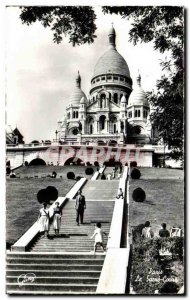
137	113
73	114
115	98
114	128
100	103
102	122
91	128
77	114
68	115
145	113
130	114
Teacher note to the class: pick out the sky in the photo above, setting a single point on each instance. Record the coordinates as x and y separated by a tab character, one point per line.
40	74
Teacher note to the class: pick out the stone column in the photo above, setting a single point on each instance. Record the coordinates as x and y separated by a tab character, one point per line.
141	112
133	112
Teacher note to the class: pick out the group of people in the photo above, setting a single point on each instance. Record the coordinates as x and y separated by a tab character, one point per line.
80	206
145	231
44	219
113	174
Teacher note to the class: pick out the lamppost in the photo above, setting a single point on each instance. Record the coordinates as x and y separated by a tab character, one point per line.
56	132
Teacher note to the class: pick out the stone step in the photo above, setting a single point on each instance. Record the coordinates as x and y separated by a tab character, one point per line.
43	293
52	255
54	261
55	273
52	287
54	267
55	280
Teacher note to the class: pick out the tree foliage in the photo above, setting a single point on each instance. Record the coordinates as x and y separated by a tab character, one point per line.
77	22
164	27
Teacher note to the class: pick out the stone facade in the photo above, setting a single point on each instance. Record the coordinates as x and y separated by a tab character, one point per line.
114	113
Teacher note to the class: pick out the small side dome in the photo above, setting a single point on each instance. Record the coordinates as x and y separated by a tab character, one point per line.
123	99
83	100
138	95
77	93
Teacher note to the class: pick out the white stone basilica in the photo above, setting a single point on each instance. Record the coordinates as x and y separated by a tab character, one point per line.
114	113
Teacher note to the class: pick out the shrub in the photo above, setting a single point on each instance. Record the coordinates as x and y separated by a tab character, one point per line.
139	195
47	195
78	178
88	163
42	196
135	174
70	175
89	171
52	193
133	164
96	163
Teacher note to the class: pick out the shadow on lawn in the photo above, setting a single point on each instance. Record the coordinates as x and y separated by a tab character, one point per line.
149	202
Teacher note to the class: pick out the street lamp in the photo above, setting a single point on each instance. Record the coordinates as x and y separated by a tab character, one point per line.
56	132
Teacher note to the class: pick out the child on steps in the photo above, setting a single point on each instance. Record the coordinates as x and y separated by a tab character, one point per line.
98	234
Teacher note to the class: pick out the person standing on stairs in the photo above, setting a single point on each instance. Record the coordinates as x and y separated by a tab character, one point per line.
44	220
57	218
98	234
80	206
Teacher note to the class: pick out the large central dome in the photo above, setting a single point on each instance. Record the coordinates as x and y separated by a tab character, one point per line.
111	61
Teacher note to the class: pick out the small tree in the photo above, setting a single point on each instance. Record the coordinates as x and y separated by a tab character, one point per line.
135	174
139	195
71	175
89	171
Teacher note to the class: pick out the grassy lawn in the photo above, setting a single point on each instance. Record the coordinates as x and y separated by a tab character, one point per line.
40	171
164	190
22	207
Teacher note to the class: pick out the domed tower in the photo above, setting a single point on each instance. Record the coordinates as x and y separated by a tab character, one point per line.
138	111
110	82
73	109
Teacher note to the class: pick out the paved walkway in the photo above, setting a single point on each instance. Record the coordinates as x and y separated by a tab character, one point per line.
101	189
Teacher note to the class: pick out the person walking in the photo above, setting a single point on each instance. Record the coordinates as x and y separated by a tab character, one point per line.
44	220
163	232
98	234
57	218
147	232
80	206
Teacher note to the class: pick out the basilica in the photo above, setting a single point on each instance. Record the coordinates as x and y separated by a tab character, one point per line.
117	110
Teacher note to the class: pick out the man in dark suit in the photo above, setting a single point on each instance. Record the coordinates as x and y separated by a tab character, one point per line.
80	206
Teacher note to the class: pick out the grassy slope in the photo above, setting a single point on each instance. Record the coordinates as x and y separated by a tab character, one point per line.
164	192
22	207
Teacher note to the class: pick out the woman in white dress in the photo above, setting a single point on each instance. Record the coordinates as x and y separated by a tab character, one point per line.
44	219
57	218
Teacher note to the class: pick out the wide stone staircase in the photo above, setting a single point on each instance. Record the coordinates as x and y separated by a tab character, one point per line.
37	273
65	264
75	238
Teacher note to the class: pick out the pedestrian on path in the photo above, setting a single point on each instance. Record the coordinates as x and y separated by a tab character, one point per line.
44	220
57	218
80	206
98	234
120	194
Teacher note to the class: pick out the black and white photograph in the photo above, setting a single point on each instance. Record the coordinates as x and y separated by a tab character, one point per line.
95	134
